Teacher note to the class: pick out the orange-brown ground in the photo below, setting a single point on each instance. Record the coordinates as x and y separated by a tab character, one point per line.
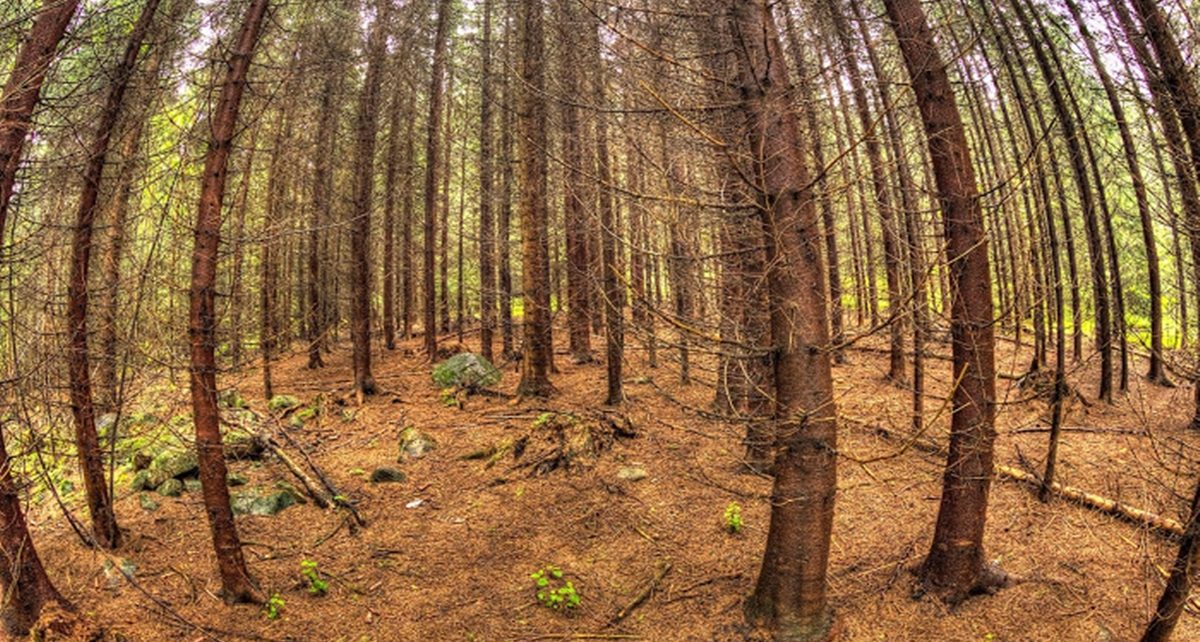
457	567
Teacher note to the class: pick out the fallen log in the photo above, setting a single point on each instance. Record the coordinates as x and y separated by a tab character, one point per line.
1163	526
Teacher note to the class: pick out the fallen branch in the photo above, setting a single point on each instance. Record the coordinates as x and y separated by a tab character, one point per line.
1164	526
663	569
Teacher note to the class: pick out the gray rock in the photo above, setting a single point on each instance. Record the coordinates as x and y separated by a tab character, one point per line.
258	503
147	502
171	488
236	479
192	485
466	370
632	473
141	481
386	475
415	444
116	573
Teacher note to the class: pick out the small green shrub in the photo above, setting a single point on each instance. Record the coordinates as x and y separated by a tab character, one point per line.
733	518
553	590
273	609
316	585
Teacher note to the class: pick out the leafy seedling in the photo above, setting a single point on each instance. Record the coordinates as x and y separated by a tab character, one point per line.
316	585
553	590
733	518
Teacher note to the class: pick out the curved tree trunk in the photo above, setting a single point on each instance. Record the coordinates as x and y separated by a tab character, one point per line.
91	460
956	567
235	578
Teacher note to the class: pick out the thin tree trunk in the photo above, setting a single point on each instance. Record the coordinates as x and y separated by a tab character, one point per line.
235	578
432	166
91	460
487	240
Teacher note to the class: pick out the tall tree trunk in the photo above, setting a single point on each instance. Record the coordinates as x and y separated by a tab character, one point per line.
1179	584
575	220
790	594
614	290
487	238
535	273
506	189
235	578
364	189
91	460
956	567
321	214
432	166
389	223
883	204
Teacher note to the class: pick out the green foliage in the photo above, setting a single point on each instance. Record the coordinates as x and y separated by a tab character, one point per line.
553	590
273	609
733	518
312	575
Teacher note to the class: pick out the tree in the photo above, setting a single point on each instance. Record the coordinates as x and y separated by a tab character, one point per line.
535	274
235	577
790	594
432	166
104	522
364	189
487	232
956	567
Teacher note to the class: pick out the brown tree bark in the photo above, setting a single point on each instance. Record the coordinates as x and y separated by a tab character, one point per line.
321	213
432	167
503	226
613	295
790	594
575	219
389	222
956	567
535	273
1179	584
235	578
91	460
364	188
487	232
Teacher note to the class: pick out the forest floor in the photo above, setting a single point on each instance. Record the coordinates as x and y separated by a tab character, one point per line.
456	565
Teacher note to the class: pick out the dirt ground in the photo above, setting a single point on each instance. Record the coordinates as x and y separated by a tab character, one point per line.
457	566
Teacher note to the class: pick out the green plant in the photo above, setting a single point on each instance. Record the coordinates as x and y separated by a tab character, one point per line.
316	585
553	590
274	607
733	518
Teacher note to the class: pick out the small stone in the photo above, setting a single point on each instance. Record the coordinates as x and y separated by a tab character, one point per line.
415	444
387	475
236	479
192	485
632	473
171	488
147	502
115	574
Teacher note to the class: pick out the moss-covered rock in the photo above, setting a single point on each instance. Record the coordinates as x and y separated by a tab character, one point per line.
415	444
385	475
171	488
466	370
261	502
280	403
